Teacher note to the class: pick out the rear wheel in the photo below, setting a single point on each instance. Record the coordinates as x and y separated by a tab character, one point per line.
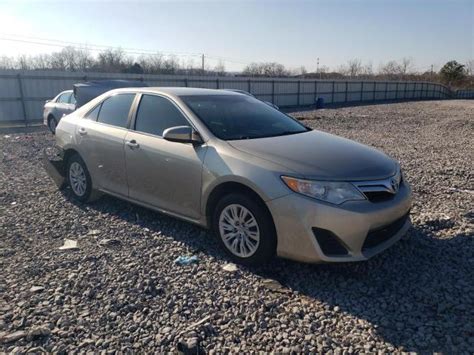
52	123
79	178
245	229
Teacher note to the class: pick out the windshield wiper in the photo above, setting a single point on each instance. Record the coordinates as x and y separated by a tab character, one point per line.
284	133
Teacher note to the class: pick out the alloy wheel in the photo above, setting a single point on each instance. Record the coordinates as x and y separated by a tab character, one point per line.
77	178
239	230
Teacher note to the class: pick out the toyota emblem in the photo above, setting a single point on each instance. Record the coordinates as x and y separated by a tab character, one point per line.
394	185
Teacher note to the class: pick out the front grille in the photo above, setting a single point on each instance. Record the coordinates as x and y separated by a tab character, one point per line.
381	235
329	243
378	196
380	190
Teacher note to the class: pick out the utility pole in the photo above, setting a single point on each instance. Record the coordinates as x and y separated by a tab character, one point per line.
202	61
431	76
317	65
318	71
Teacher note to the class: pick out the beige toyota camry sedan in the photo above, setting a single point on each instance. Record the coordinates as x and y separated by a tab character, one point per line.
263	182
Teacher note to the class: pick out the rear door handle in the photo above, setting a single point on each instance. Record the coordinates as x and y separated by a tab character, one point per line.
132	144
82	131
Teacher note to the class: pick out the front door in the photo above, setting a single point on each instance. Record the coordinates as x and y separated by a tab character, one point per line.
161	173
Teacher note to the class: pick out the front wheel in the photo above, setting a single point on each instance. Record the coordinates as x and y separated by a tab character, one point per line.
245	229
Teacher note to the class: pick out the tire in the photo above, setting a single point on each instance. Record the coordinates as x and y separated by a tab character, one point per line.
240	233
79	179
52	123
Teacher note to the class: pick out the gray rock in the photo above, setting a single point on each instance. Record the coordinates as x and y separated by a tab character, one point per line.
36	289
38	332
12	337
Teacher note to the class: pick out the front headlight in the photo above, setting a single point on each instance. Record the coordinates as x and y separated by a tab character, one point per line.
329	191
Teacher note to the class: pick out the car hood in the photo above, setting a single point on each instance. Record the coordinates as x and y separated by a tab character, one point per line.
319	155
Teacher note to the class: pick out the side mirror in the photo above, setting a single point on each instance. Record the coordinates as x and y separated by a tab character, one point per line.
182	134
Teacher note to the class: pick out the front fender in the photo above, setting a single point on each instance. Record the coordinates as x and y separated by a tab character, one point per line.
224	165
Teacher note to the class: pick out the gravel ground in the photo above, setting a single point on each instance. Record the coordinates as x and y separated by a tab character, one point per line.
121	289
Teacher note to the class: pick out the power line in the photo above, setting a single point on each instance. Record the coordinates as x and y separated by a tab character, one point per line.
100	47
96	49
55	42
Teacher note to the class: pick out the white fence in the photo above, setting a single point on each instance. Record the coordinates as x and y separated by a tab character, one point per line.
23	93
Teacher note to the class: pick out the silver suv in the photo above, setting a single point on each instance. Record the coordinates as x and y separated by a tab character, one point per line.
262	181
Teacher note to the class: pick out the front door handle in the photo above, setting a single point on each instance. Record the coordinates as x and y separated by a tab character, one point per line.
82	131
132	144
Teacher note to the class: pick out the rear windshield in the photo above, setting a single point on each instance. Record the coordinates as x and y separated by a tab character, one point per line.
233	117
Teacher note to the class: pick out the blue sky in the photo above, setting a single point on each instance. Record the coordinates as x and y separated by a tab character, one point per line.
294	32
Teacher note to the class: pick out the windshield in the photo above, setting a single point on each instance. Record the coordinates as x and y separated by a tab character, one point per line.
232	117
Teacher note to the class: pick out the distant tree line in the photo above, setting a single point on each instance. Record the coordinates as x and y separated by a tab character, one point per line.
453	74
109	61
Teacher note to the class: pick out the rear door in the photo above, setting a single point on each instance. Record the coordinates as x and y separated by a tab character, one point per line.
63	104
101	136
161	173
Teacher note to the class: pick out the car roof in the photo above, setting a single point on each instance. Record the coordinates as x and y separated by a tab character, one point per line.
178	91
239	91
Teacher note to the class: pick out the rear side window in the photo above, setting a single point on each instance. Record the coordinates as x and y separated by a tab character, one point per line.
92	115
115	110
64	98
155	114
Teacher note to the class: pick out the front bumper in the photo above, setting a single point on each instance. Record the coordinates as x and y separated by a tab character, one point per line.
300	221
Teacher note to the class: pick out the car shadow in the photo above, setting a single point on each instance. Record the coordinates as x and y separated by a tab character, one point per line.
406	293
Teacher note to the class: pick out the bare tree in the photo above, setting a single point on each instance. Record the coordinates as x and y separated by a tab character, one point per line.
397	70
41	62
84	60
368	70
406	66
302	70
324	69
24	62
219	69
355	67
7	62
112	60
469	66
170	65
391	68
151	64
266	69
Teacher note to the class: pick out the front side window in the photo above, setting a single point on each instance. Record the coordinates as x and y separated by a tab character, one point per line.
115	110
64	98
233	117
155	114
